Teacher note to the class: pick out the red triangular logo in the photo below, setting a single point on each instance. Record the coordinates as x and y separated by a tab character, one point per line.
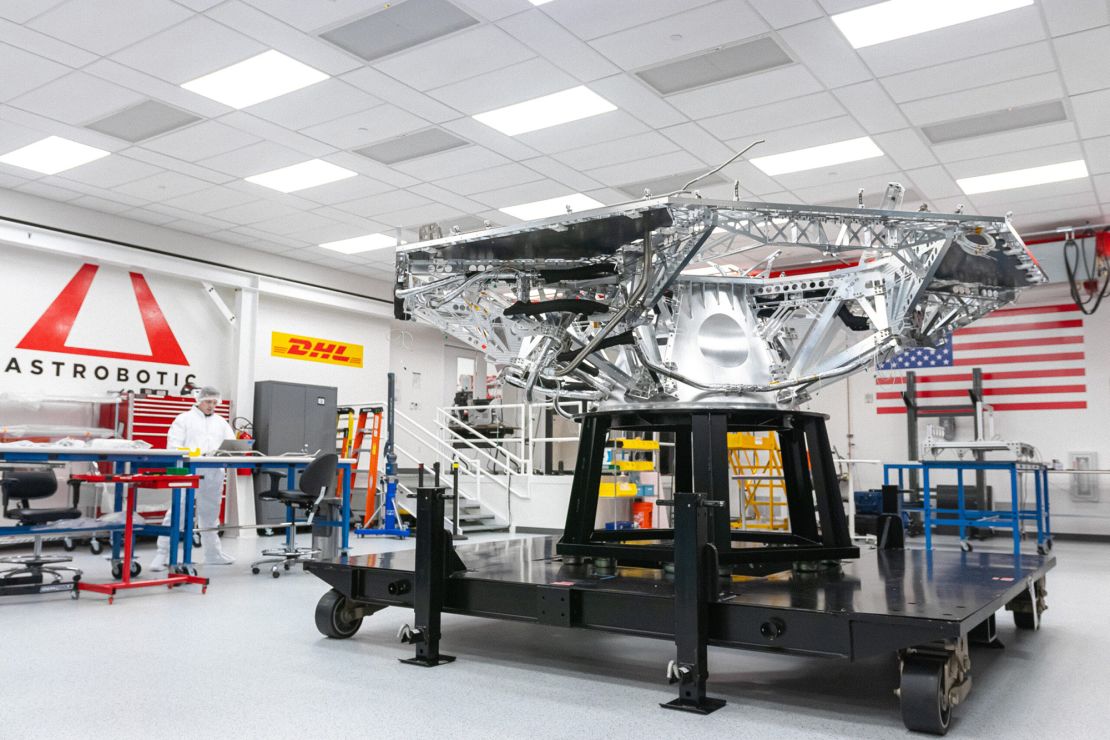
50	332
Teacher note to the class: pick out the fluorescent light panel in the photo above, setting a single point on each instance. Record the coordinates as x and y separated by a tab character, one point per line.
897	19
52	155
1049	173
301	176
358	244
543	112
552	207
540	2
262	77
814	157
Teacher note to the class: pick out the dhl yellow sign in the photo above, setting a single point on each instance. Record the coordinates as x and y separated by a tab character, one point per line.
314	349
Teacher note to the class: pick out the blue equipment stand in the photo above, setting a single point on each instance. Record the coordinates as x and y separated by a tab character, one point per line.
391	526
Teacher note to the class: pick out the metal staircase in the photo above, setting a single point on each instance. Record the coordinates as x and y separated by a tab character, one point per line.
474	516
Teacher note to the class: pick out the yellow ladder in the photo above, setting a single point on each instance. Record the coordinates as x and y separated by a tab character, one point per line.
756	461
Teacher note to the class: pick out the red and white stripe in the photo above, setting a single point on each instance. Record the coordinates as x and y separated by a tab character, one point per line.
1032	359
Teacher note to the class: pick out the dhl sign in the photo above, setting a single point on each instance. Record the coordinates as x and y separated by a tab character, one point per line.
314	349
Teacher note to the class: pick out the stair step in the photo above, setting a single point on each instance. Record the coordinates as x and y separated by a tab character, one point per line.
485	528
476	517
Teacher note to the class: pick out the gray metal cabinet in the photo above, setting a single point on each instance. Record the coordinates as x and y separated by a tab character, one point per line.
291	417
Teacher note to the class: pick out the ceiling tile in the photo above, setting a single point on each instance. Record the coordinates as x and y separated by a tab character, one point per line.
46	190
528	79
934	183
319	103
314	16
869	103
746	93
1083	62
1039	198
606	127
206	139
608	153
691	31
104	27
590	19
396	200
543	35
781	15
971	72
646	169
148	216
695	139
528	193
850	173
1092	113
77	98
1054	219
561	173
806	109
344	190
906	148
197	225
1015	160
1069	16
1000	31
22	11
480	133
984	99
45	46
177	165
785	139
247	213
100	205
276	134
365	127
1098	154
154	88
497	177
1102	187
457	57
637	99
251	160
198	5
162	186
427	214
209	199
293	222
1006	141
190	50
277	35
370	168
822	48
22	71
439	195
399	94
454	162
109	172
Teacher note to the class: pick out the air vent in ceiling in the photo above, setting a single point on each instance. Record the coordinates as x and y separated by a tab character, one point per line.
411	146
142	121
399	26
996	122
720	64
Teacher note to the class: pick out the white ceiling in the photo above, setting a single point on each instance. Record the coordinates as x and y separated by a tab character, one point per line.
67	63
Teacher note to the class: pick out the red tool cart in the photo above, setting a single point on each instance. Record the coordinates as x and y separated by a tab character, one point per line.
123	571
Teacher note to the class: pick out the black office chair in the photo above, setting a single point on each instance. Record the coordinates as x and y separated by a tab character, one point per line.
24	487
317	480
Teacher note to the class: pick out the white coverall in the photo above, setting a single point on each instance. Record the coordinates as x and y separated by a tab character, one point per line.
193	429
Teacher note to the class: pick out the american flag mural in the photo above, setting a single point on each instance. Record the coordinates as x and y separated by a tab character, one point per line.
1032	360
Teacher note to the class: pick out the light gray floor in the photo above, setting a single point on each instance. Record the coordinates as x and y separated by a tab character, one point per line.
246	661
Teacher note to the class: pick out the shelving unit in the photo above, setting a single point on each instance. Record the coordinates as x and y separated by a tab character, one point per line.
629	474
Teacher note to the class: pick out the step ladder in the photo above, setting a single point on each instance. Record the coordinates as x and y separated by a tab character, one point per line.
756	462
350	441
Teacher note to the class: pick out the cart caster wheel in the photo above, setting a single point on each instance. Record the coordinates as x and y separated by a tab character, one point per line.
95	547
287	566
275	572
117	571
67	544
136	568
966	546
1025	621
255	571
334	616
925	706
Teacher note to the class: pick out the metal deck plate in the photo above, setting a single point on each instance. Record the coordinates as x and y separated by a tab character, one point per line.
916	584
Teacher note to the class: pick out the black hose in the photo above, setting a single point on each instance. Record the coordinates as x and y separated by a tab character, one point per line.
1072	254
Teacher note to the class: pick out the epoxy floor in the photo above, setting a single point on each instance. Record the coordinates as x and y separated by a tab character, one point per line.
245	661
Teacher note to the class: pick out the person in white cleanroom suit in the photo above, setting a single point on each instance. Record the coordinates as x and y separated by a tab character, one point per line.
201	427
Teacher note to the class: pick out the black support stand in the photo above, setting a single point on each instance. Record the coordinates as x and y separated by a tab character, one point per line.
695	585
436	560
818	525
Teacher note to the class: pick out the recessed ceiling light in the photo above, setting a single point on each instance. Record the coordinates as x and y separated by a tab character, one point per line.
552	207
549	110
52	155
357	244
897	19
813	157
540	2
253	80
300	176
1073	170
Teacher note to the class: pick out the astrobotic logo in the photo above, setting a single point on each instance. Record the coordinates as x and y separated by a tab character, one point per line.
51	334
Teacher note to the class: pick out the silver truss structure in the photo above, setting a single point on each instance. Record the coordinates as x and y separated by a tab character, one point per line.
596	305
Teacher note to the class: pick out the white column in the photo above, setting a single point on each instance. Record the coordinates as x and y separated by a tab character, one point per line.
240	488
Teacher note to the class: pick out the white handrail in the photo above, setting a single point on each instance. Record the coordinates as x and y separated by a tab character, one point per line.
446	427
